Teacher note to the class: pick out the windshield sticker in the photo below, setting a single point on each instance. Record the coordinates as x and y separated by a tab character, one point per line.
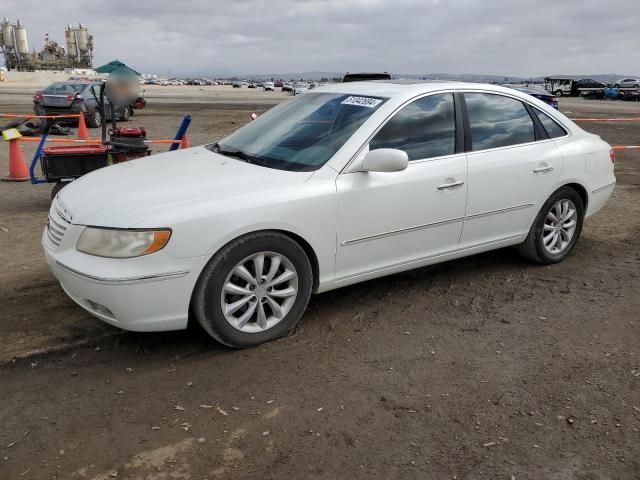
362	101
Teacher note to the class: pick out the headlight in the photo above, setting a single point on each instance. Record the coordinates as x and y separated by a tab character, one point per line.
105	242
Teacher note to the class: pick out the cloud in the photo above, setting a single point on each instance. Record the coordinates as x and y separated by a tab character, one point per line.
517	37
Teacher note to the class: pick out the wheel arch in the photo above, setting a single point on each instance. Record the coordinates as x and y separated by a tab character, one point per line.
311	254
575	185
300	240
582	191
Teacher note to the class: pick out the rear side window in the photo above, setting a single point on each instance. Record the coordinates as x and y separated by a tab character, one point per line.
64	88
550	125
497	121
425	128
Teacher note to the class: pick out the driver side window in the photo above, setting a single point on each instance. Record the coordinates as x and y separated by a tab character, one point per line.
425	128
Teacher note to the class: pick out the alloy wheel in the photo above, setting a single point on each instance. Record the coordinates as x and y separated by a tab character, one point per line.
559	226
259	292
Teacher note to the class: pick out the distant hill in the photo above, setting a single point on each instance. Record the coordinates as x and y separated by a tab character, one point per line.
453	77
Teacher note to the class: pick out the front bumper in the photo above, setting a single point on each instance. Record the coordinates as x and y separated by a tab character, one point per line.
144	294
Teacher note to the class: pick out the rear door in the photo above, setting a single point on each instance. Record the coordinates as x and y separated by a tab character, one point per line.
513	167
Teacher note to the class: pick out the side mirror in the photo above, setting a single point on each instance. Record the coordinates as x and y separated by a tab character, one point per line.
385	160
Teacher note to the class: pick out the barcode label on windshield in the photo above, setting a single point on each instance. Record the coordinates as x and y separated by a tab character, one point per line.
362	101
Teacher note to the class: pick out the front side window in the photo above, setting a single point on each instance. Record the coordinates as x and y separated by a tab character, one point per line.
425	128
551	126
497	121
301	134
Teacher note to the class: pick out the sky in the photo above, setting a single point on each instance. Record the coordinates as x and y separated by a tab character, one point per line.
501	37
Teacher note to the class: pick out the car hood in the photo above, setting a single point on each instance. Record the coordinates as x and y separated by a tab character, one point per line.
126	194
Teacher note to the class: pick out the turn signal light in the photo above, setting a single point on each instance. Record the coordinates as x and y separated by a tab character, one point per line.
612	155
160	239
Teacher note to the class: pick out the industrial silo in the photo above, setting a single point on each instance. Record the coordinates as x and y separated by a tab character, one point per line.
7	34
22	45
70	39
82	36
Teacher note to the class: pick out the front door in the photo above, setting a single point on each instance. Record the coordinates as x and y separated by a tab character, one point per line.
389	220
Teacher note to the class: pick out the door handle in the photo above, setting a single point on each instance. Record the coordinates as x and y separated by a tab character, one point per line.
543	169
444	186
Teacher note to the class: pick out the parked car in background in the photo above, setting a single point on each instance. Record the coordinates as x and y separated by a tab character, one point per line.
539	93
300	87
363	77
75	97
627	83
287	87
559	86
588	83
269	87
343	184
252	85
237	84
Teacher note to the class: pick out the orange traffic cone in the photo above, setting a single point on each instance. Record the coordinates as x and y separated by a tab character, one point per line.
83	134
184	143
18	171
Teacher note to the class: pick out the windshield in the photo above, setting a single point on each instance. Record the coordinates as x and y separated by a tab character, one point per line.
65	88
301	134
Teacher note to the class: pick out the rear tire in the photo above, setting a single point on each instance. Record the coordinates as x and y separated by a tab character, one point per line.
558	93
259	319
94	119
556	228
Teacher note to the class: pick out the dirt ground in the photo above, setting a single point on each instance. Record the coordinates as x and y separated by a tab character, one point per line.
486	367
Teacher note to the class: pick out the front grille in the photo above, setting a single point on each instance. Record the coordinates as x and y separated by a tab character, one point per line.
56	227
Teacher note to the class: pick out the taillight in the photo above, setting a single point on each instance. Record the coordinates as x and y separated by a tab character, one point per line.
612	155
37	97
71	97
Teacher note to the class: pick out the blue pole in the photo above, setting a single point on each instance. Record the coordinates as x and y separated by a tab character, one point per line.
182	129
36	157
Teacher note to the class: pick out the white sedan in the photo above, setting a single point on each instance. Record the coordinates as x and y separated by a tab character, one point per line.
340	185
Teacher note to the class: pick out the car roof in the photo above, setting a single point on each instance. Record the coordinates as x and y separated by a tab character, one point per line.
406	88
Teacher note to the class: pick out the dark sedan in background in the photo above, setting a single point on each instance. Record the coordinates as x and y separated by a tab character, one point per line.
539	93
73	97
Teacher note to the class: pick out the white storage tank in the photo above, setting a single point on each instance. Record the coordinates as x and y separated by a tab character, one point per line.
7	34
22	44
70	39
83	38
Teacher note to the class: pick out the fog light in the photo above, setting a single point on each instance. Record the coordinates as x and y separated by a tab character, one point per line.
101	309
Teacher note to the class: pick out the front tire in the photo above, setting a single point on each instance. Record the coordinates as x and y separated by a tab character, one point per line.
254	290
556	228
56	188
